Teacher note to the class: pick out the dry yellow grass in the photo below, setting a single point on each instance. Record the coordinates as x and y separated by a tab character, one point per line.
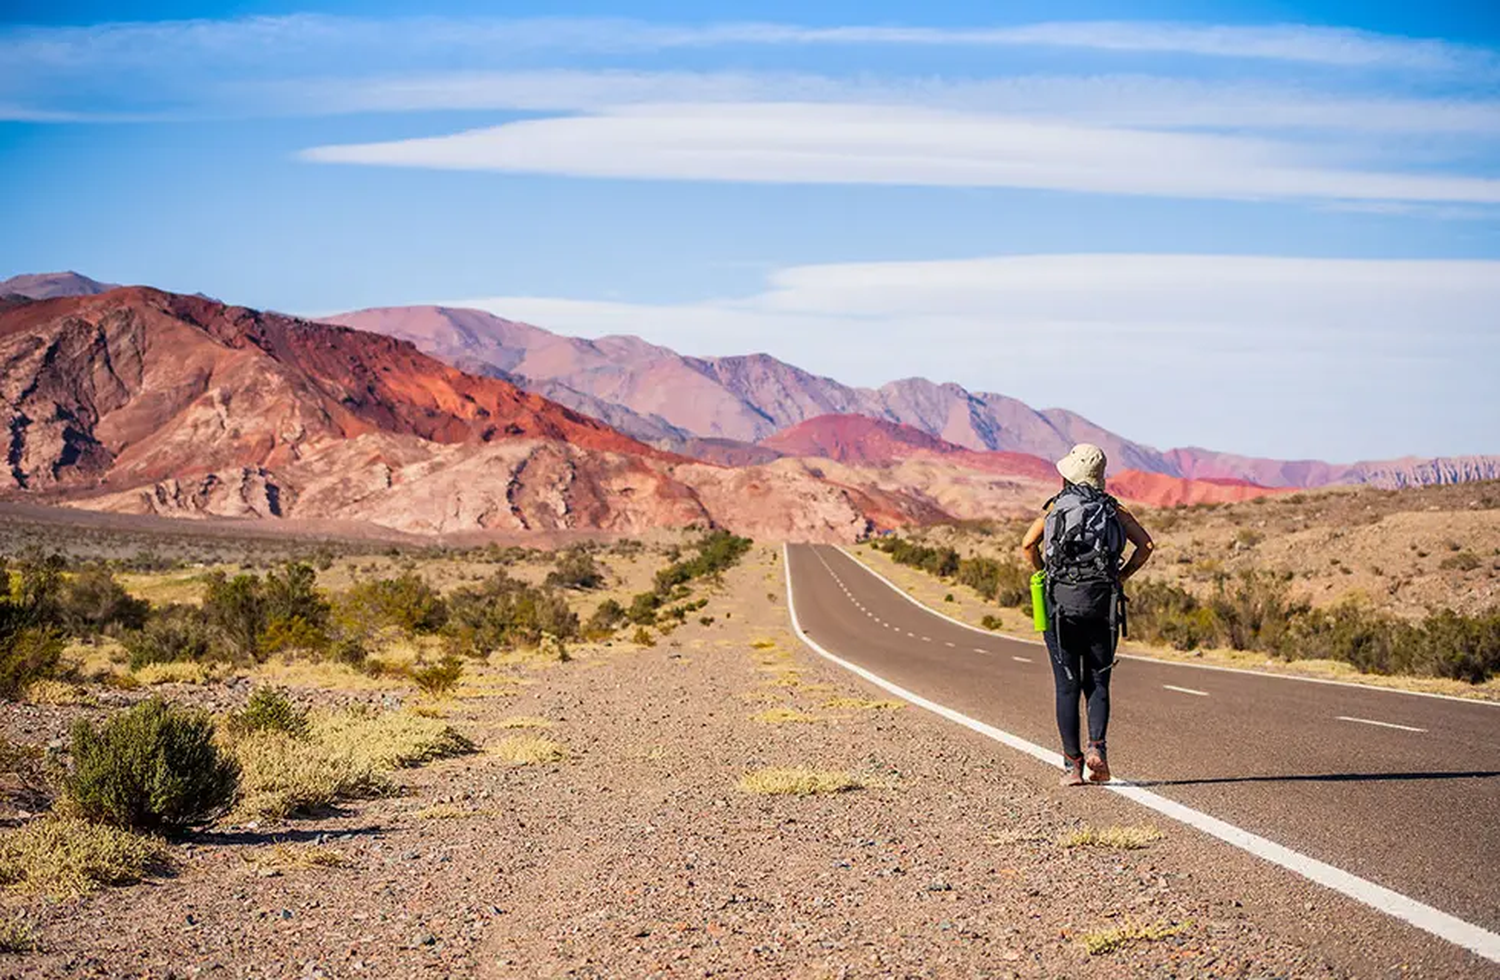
530	750
524	721
1114	838
783	716
162	589
56	693
1109	940
797	781
16	936
763	645
347	755
790	678
63	857
181	672
862	704
292	857
283	672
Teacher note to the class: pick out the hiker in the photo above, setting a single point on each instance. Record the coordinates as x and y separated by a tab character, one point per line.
1078	543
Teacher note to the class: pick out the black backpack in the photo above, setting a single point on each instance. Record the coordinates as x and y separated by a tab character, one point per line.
1081	548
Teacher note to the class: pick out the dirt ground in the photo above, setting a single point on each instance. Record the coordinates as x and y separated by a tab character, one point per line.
639	854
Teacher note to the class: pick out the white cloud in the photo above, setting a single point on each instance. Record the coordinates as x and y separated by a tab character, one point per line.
1115	100
863	144
245	39
1338	359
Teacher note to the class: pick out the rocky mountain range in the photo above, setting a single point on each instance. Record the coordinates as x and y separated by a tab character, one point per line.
141	401
671	400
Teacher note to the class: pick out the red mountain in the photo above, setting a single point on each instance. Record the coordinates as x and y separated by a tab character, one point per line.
143	401
1160	490
862	441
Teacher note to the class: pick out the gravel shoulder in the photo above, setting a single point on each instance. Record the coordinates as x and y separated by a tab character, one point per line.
639	855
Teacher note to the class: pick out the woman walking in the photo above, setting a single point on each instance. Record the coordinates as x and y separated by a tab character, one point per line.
1078	542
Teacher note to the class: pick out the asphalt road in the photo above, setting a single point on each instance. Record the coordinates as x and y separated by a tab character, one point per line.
1414	808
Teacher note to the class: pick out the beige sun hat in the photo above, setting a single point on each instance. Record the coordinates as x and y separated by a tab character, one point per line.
1084	464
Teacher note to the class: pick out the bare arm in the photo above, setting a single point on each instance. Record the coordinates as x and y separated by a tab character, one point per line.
1031	543
1137	536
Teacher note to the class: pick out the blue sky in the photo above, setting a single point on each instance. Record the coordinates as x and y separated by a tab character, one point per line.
1261	227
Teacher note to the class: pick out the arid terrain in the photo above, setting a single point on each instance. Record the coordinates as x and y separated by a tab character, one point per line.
699	797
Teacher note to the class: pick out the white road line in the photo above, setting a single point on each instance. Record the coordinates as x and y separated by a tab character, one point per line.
948	643
1166	663
1185	690
980	650
1477	940
1382	724
1024	660
926	639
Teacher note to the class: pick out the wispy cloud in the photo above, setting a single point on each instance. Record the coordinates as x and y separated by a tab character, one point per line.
859	144
242	39
1273	355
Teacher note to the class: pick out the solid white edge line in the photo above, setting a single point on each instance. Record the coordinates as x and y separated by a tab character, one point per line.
1382	724
1185	690
1157	660
1439	923
1024	660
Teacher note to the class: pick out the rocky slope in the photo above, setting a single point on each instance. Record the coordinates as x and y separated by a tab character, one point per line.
142	401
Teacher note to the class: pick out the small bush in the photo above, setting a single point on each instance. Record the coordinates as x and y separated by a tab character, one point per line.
152	768
605	620
530	750
576	569
949	598
16	936
440	678
407	603
294	633
26	656
504	613
642	637
1113	838
1464	561
64	857
91	602
991	622
1109	940
176	633
269	710
285	776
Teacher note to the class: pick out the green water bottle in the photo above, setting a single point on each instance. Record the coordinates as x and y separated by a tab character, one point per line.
1039	600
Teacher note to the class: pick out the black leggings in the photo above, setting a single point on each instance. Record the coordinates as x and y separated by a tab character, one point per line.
1081	657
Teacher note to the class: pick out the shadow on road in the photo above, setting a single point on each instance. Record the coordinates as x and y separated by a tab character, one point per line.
1332	777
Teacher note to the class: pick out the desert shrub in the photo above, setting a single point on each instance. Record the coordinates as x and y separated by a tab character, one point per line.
605	620
1464	561
440	678
642	637
407	603
1005	583
1160	612
269	710
26	656
243	608
154	767
505	612
63	857
1253	613
91	602
175	633
718	551
576	569
295	633
991	622
283	776
349	650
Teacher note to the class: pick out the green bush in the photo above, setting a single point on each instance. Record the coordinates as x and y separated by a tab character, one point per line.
605	620
718	551
244	607
269	710
296	633
440	678
173	634
153	768
28	655
505	612
91	602
406	603
576	569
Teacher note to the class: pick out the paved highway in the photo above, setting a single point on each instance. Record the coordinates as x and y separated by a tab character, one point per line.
1400	790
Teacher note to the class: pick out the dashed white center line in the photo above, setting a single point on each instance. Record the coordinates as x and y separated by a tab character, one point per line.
948	644
1023	660
1382	724
980	650
1185	690
926	639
